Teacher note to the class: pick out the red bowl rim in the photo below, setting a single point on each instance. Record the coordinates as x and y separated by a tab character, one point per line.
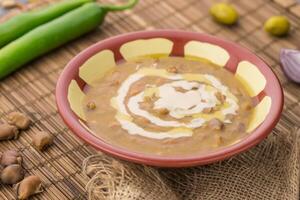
71	120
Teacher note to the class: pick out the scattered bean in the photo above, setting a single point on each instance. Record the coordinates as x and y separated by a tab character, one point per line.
42	139
12	174
215	124
10	157
8	132
29	186
19	119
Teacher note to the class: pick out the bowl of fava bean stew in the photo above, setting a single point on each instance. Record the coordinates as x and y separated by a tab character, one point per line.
169	98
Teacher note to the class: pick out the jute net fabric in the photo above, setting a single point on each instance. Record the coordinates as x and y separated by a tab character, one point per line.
268	171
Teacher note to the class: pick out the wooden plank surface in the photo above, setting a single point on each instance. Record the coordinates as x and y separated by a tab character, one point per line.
31	89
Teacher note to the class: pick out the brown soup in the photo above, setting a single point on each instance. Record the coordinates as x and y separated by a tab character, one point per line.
168	106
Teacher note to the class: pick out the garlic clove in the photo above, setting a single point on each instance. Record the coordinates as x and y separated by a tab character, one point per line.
290	63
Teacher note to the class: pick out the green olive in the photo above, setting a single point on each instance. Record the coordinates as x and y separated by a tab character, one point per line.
224	13
277	25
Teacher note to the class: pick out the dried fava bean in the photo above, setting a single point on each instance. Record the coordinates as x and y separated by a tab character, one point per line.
230	116
136	89
114	125
277	25
215	124
19	119
115	76
146	105
142	121
240	127
207	110
148	98
290	63
220	97
29	186
224	13
217	140
246	106
10	157
236	91
192	107
12	174
41	140
162	111
91	105
172	70
8	132
180	89
115	83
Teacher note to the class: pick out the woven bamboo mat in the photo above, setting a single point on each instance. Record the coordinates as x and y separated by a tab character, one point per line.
31	90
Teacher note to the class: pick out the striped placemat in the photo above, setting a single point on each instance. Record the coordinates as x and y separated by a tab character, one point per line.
31	89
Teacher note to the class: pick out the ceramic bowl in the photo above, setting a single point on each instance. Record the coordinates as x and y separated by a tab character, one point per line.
257	76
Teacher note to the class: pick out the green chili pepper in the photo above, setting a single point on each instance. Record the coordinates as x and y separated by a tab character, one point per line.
21	24
53	34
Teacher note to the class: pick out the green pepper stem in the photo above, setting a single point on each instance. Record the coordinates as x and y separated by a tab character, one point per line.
129	4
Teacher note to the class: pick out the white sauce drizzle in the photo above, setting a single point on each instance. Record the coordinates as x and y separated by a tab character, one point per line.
183	104
134	129
123	90
179	104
